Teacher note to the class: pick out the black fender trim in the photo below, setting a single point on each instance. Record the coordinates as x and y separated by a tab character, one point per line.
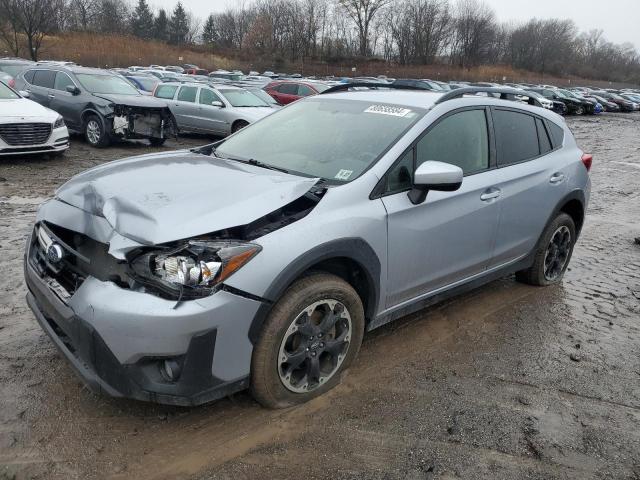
573	195
355	249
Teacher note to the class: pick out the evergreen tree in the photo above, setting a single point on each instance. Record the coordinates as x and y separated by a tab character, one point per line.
209	31
161	26
178	25
142	21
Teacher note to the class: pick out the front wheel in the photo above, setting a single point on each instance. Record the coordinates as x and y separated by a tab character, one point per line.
95	132
553	253
580	111
311	336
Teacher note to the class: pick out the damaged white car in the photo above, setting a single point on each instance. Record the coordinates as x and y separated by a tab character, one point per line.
99	104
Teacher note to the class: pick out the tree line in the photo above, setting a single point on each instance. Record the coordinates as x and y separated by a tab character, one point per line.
463	33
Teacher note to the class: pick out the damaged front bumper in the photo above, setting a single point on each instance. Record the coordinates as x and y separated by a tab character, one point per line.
133	122
119	340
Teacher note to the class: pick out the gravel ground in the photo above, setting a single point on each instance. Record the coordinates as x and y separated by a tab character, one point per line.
507	382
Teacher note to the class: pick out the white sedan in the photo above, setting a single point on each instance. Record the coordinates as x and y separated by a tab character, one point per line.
28	127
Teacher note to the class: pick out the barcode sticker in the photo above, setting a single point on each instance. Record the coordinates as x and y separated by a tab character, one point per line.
387	110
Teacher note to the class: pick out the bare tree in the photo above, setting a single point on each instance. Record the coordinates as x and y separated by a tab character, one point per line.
474	30
363	12
9	27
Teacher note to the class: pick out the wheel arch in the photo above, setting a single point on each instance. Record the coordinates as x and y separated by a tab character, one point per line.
351	259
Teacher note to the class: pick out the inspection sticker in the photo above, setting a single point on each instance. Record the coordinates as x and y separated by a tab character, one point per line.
343	174
387	110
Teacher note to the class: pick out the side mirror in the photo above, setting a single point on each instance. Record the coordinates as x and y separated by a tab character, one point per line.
73	90
24	94
434	176
217	103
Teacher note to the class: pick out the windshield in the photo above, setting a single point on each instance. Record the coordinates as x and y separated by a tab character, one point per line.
331	139
106	84
258	92
242	98
6	93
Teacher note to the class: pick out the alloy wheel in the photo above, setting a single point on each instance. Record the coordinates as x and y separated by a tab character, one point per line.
314	346
557	254
93	132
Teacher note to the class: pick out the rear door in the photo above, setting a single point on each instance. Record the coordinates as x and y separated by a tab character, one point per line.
40	88
287	93
185	107
533	179
449	237
65	103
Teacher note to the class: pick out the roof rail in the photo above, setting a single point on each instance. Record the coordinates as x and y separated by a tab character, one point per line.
346	86
504	93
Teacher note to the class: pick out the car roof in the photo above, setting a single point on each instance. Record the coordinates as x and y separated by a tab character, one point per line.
406	98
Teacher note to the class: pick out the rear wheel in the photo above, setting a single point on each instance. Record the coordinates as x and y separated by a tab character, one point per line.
580	110
553	253
311	336
95	132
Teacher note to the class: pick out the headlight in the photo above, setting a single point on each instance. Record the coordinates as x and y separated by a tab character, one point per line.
59	122
193	269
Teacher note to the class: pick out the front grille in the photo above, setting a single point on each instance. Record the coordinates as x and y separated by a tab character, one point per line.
19	134
83	257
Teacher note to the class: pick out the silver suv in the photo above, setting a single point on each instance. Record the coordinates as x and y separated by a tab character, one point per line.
262	260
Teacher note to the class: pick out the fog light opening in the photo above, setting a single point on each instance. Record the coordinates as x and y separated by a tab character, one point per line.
170	370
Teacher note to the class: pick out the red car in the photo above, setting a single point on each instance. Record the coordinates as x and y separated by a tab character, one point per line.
287	91
196	71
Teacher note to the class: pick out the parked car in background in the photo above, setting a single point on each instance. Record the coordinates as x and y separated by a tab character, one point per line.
10	68
27	127
210	109
624	104
264	96
161	74
554	105
421	84
196	71
632	97
174	68
98	103
574	106
225	75
608	105
287	91
145	83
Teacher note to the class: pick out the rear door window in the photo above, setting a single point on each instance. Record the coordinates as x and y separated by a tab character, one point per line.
516	137
44	78
166	91
188	94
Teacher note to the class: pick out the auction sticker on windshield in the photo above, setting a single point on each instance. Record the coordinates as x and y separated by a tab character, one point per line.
387	110
343	175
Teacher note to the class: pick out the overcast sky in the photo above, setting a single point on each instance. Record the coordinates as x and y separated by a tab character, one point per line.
618	18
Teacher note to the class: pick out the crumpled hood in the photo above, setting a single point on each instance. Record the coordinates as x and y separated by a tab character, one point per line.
255	113
133	100
154	199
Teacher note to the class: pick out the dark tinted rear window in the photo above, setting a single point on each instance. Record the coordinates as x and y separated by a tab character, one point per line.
545	143
288	89
44	78
516	137
557	134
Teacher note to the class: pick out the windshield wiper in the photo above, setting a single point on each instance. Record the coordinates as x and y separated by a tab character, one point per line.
252	161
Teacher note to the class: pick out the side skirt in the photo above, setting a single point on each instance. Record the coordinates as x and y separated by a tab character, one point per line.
433	299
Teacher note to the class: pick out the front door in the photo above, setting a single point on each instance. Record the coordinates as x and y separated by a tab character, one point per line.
449	237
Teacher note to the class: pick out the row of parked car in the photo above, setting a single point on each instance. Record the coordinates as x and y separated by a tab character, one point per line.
49	99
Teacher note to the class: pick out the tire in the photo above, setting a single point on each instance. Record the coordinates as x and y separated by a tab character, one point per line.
157	142
290	333
579	110
541	273
239	125
95	132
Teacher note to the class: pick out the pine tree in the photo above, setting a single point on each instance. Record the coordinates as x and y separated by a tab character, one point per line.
161	26
178	25
142	21
209	31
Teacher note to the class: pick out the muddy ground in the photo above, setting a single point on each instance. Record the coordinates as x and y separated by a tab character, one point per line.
507	382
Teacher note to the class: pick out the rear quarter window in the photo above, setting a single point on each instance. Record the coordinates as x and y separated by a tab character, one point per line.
516	137
557	134
166	91
28	76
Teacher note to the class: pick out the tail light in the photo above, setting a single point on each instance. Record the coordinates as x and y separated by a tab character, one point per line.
587	161
12	83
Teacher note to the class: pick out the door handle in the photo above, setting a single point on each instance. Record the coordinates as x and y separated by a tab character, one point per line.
491	194
557	178
51	96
